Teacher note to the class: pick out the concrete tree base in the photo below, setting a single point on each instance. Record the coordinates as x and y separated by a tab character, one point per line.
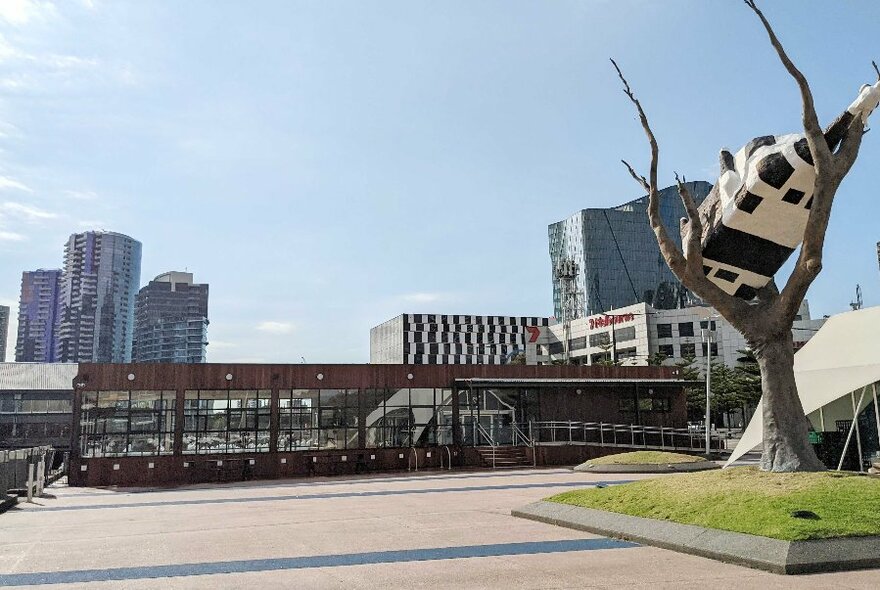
648	468
773	555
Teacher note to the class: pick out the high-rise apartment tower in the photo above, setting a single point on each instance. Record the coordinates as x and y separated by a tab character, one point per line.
38	316
4	331
99	283
171	320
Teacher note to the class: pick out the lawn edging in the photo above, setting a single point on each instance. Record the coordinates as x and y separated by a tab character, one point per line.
773	555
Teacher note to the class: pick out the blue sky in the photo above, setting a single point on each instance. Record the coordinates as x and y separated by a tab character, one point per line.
326	166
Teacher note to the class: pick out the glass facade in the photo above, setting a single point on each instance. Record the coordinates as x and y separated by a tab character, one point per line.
226	421
125	423
235	421
34	418
619	262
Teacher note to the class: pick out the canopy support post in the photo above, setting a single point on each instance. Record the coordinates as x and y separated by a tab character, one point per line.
851	428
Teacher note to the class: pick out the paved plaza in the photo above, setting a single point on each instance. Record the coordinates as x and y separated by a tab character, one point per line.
426	530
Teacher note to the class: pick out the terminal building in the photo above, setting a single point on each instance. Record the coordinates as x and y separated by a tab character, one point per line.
439	339
161	424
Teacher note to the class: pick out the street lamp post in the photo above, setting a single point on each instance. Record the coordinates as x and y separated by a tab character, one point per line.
708	336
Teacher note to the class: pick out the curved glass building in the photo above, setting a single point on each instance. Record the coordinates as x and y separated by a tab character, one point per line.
604	259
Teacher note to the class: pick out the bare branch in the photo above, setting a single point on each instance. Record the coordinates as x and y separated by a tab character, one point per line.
693	234
688	270
652	175
815	138
638	177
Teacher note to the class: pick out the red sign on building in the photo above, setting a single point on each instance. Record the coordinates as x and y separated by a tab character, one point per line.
604	321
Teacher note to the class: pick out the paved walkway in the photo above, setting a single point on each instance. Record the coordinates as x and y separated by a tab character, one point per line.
429	530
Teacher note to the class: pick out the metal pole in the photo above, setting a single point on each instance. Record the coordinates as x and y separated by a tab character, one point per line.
856	422
708	387
876	411
822	419
849	435
613	340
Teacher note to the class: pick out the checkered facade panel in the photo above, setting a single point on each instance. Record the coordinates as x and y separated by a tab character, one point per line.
465	339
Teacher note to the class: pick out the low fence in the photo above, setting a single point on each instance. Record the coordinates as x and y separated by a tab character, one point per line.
621	435
25	472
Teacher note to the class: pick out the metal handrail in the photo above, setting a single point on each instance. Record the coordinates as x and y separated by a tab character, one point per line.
629	435
489	438
527	440
518	433
449	455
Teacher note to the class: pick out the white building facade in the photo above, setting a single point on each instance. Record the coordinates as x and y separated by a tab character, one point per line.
636	333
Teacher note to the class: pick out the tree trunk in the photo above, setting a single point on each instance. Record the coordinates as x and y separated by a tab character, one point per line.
786	439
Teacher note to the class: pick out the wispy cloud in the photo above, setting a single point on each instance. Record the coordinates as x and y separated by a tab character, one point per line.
10	183
270	327
26	212
81	195
9	236
425	297
222	345
21	12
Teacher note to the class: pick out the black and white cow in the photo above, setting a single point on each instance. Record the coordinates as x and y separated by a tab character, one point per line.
755	215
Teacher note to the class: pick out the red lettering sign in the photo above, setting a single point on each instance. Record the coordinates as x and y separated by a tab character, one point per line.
604	321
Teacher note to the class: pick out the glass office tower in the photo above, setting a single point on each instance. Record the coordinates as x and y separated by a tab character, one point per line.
38	316
102	271
612	259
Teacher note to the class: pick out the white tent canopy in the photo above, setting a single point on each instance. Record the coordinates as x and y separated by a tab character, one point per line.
841	358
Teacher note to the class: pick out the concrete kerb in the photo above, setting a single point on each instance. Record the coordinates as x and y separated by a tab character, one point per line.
648	468
773	555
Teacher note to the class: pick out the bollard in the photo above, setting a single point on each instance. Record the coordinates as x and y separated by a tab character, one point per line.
30	483
41	477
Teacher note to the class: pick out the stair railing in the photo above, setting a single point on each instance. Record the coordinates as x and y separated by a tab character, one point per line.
485	434
525	440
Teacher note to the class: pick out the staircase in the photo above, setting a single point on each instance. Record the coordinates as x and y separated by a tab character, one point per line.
506	457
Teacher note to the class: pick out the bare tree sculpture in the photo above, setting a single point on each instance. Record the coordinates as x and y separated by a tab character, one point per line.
766	322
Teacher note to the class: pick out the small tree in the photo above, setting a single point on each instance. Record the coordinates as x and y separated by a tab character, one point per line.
767	322
656	359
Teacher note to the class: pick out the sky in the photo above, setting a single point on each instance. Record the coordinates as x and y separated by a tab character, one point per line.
326	166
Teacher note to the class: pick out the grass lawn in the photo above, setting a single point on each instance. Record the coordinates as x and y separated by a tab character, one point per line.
645	458
746	500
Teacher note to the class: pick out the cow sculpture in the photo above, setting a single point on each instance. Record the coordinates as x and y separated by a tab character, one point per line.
756	214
